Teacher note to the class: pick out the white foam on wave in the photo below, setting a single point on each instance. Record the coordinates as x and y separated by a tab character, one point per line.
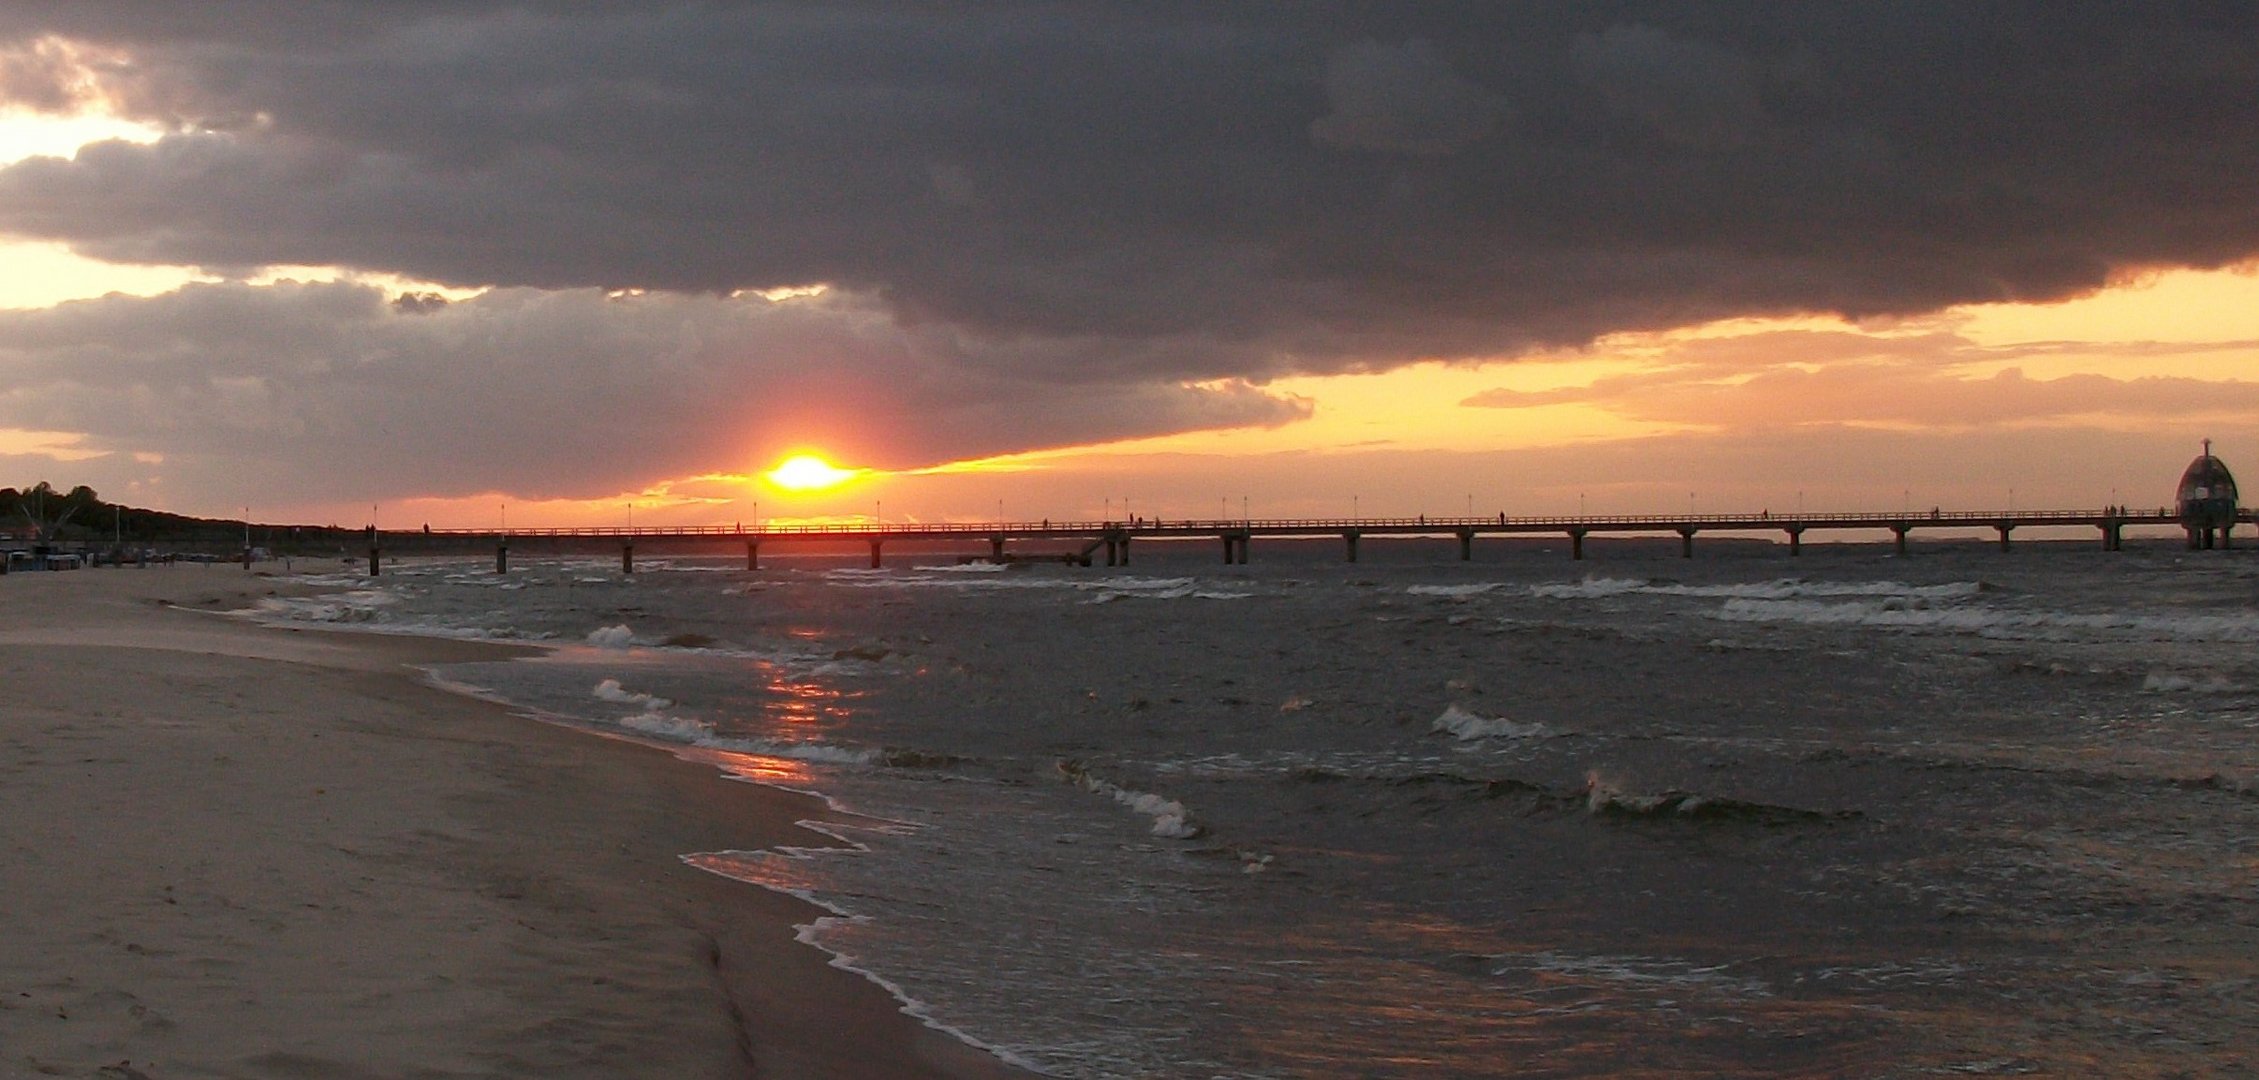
1469	726
1156	589
356	606
772	869
671	728
1454	591
1776	589
1910	614
1644	972
1170	819
2209	682
611	690
1589	588
612	637
369	611
985	576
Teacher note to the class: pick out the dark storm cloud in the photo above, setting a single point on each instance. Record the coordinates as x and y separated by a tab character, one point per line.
1346	182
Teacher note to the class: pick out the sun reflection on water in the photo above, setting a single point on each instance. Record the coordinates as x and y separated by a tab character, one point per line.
803	701
759	768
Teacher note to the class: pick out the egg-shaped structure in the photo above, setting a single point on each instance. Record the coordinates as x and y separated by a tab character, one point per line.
2207	499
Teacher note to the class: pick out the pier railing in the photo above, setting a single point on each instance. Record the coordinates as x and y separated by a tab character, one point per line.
1086	537
1438	525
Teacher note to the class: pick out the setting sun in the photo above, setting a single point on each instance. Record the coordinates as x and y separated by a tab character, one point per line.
807	472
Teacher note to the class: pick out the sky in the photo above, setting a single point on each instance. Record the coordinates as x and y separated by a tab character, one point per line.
473	263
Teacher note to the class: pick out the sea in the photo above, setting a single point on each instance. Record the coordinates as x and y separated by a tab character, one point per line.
1959	812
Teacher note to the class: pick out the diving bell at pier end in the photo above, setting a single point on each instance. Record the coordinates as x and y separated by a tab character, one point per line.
2207	500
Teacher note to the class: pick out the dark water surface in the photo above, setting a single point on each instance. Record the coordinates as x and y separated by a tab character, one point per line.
1957	813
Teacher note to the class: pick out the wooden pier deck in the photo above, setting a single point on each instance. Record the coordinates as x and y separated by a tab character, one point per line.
1235	536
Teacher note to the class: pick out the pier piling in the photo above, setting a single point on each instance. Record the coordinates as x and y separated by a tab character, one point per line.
1236	537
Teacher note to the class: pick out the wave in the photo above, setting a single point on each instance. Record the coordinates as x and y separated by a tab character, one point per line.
2166	682
1468	726
1777	589
1476	589
1659	973
1170	819
1995	623
1596	799
355	606
1105	590
612	637
610	690
1604	799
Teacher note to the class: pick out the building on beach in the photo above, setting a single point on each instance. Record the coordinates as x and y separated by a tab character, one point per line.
2207	500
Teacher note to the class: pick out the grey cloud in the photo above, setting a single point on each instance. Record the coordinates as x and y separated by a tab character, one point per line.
1041	220
1685	92
1172	169
541	393
1402	98
43	74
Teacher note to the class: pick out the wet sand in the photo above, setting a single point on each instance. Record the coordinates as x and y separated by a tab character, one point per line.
234	851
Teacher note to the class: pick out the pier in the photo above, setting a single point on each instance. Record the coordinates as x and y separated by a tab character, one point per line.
1088	542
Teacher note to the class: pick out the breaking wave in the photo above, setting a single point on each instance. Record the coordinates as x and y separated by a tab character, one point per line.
1170	819
1996	623
1469	726
1778	589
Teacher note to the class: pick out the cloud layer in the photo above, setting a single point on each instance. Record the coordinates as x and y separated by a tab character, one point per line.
542	393
1341	177
1042	222
1933	381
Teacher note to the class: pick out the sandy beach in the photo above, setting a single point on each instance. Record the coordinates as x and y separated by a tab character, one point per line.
247	852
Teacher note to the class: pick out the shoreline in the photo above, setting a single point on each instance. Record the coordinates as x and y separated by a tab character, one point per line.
441	885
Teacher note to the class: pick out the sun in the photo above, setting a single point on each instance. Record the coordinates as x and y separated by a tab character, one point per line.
807	472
